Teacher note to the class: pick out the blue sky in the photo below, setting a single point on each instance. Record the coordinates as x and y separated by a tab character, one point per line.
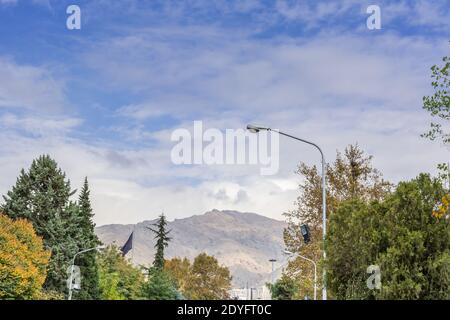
103	100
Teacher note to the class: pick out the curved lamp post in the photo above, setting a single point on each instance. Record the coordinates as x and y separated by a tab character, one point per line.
315	269
256	129
73	266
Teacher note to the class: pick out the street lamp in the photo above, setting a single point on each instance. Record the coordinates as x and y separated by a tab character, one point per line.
273	269
73	266
256	129
287	252
304	229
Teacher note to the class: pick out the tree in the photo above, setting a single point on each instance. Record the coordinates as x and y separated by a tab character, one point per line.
162	241
159	286
41	196
23	260
179	269
351	176
208	280
118	279
284	288
402	235
438	104
87	261
109	286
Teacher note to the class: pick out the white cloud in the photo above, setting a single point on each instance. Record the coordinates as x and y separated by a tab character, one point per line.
24	86
334	89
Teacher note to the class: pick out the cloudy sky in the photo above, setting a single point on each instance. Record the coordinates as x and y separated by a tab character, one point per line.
104	100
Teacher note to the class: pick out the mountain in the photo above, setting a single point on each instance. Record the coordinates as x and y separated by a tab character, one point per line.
242	241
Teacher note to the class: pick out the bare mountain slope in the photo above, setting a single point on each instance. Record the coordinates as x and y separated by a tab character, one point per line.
242	241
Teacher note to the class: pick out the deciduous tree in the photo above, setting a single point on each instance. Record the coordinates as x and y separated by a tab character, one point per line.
119	279
351	176
208	280
23	260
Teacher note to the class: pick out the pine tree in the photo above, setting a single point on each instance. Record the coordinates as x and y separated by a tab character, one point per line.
88	239
162	241
160	286
41	196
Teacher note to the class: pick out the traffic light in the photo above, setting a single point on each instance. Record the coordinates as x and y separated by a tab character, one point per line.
304	229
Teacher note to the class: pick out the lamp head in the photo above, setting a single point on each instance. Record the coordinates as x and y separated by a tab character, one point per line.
256	129
253	129
101	247
304	229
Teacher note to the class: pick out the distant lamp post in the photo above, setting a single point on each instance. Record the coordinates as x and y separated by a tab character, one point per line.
71	287
287	252
273	269
256	129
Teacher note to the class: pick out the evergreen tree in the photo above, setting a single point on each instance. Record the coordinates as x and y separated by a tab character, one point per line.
41	196
88	239
162	241
160	286
284	288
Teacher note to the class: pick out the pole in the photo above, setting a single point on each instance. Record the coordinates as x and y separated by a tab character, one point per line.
324	226
273	270
73	267
324	208
71	277
315	273
256	129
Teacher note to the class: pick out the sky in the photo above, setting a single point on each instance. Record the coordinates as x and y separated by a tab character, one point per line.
104	100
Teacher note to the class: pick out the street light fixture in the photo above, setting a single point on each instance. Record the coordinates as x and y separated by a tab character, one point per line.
73	266
256	129
287	252
273	269
304	229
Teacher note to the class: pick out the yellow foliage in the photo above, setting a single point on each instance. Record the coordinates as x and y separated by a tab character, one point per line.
442	208
23	260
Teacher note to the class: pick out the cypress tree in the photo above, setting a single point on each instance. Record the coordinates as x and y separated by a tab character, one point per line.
88	239
41	196
162	241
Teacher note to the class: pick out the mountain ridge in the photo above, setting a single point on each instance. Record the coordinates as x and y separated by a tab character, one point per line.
242	241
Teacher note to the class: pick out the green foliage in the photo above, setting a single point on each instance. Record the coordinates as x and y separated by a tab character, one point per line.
207	280
41	196
284	288
399	234
87	261
159	286
162	241
350	176
23	260
119	279
109	286
438	104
